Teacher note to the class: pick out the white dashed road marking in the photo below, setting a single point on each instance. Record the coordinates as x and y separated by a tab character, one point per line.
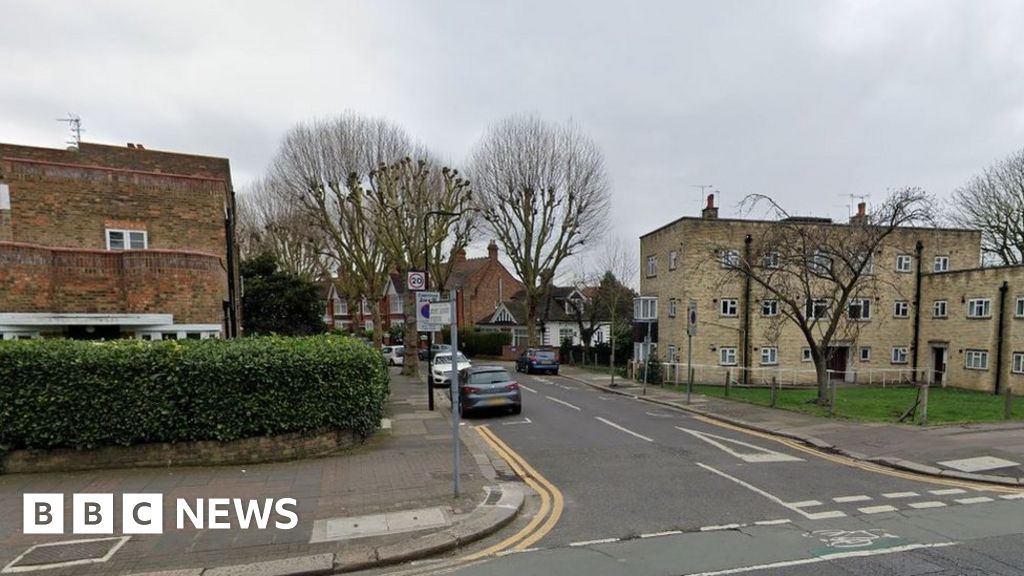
877	509
860	498
805	503
665	533
564	403
901	495
975	500
1012	496
948	491
527	388
773	498
592	542
626	430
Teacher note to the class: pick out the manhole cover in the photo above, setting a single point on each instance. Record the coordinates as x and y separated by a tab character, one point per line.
66	553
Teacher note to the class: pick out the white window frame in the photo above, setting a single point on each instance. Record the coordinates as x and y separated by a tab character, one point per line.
769	356
19	335
673	259
864	304
126	236
771	260
1019	312
1017	367
727	356
730	258
821	263
865	354
940	264
566	333
395	304
340	307
812	309
943	305
673	354
982	305
976	359
645	308
769	308
901	309
805	354
652	266
899	354
904	263
728	307
673	306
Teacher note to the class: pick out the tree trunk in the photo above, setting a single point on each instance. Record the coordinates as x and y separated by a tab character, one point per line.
410	364
821	368
531	321
611	361
378	324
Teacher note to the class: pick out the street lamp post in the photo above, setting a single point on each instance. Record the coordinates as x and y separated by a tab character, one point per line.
426	273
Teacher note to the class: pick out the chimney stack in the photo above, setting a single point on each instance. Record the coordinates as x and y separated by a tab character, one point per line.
460	255
710	212
492	251
862	214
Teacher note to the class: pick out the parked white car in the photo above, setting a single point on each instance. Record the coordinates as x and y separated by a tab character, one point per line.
441	370
395	355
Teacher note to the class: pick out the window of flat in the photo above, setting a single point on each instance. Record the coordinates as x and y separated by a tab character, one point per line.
127	239
940	309
769	356
979	308
817	309
771	260
673	305
901	309
769	308
730	258
899	355
865	354
673	260
1020	307
941	264
859	309
976	359
728	307
1018	363
727	356
395	304
652	266
903	262
805	355
673	355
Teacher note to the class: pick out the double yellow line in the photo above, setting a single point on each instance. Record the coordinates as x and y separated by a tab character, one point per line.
551	502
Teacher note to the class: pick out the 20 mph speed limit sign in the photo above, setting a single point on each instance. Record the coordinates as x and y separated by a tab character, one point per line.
416	280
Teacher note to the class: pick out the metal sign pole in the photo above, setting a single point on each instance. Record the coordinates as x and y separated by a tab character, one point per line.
455	396
689	367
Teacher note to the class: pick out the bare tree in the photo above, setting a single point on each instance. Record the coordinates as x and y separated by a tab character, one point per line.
620	271
269	223
993	202
401	195
814	270
322	168
543	191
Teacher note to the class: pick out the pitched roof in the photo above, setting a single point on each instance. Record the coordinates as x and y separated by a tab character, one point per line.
464	270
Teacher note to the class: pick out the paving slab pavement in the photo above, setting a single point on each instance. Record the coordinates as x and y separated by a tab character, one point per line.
990	452
402	475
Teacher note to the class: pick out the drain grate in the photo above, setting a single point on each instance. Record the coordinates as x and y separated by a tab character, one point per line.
71	552
493	497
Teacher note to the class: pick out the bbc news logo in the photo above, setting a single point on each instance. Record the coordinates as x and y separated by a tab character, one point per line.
144	513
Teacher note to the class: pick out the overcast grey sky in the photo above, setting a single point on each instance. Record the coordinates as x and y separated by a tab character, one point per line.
805	101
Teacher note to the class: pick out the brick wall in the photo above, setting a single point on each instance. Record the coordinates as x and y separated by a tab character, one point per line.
485	290
69	198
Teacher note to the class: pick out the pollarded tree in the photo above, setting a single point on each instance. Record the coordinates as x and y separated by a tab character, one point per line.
269	223
321	168
816	270
993	202
543	192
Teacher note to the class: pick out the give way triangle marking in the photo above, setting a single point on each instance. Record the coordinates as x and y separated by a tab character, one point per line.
748	452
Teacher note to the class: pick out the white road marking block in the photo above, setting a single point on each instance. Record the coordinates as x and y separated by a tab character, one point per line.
974	500
564	403
901	495
523	421
929	504
948	491
860	498
979	464
593	542
877	509
825	515
626	430
527	388
1019	496
805	503
720	527
753	454
824	558
665	533
772	522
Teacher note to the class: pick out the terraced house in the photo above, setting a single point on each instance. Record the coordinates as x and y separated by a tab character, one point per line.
932	312
103	242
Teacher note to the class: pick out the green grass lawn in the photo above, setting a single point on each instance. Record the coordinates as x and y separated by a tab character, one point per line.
945	405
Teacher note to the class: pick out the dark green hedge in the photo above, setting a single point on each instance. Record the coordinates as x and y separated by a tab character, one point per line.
474	343
65	393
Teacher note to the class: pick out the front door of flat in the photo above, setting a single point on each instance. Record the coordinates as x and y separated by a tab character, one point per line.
938	365
836	362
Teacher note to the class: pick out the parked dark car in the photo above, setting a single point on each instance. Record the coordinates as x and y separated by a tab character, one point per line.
534	360
488	387
437	349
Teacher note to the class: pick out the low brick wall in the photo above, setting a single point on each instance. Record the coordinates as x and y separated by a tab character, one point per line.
208	452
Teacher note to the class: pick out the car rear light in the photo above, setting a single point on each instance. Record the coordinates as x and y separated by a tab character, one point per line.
512	387
470	390
533	358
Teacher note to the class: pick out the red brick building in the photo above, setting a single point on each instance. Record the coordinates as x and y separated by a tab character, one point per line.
109	242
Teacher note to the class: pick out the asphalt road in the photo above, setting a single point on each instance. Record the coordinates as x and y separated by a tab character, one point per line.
650	490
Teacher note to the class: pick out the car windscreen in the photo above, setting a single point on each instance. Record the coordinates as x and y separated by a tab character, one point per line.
489	377
544	355
447	359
